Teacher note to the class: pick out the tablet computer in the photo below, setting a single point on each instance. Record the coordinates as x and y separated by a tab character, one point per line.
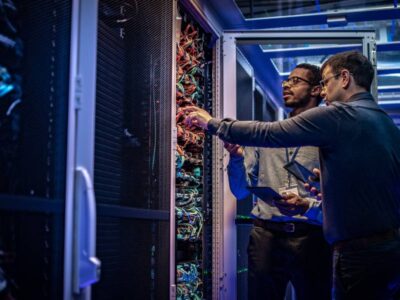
302	173
264	192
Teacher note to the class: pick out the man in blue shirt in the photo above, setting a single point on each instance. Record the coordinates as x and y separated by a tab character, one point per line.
359	149
284	245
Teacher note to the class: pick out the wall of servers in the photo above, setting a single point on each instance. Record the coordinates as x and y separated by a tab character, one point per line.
34	78
34	145
193	164
132	149
11	53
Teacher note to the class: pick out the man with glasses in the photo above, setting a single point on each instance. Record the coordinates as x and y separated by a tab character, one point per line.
284	245
360	171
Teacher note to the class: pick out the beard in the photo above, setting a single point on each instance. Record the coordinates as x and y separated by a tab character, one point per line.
297	102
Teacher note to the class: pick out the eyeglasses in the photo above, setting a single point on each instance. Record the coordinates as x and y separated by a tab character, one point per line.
294	80
324	82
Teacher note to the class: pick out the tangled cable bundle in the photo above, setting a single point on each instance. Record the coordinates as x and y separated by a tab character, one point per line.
190	86
189	282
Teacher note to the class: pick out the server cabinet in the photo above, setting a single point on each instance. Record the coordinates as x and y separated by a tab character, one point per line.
34	60
193	200
48	209
132	154
89	186
133	148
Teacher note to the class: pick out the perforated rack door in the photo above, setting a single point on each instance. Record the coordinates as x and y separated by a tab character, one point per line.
32	183
132	148
45	34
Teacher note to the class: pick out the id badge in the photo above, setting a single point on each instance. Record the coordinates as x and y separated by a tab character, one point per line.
288	190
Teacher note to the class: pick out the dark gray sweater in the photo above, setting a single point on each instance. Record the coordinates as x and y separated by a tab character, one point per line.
359	156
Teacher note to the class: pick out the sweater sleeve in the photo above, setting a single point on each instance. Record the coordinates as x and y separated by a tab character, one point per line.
314	127
243	172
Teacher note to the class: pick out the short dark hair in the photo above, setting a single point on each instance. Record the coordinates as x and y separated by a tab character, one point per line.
314	75
357	64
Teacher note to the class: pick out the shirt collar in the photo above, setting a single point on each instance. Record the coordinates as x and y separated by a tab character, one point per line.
361	96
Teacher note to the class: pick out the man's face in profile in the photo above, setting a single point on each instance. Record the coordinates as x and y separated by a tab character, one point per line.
330	87
297	88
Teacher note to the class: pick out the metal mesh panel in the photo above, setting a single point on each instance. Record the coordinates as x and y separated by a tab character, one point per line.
32	257
134	255
34	241
45	32
132	146
132	149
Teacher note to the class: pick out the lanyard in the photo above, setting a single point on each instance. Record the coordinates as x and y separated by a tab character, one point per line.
288	160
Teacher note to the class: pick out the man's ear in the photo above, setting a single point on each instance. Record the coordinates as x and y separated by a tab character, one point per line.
316	90
346	80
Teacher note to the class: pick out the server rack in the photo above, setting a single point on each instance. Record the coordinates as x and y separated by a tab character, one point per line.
35	40
97	136
193	163
132	156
